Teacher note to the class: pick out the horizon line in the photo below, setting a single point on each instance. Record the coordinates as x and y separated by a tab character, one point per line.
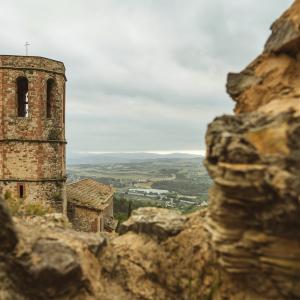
161	152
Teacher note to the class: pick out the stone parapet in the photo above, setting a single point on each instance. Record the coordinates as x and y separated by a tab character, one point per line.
37	63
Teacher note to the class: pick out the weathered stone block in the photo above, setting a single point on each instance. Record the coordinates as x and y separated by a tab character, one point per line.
159	223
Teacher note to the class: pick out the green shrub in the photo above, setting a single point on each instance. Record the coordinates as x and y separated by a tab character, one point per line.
12	203
20	208
37	209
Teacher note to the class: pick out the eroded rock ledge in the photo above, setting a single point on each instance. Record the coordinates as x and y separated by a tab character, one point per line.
158	258
275	73
254	205
245	246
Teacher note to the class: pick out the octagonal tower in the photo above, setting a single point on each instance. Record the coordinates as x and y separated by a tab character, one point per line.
32	129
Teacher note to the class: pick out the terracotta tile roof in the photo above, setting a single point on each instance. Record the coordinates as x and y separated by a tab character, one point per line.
89	193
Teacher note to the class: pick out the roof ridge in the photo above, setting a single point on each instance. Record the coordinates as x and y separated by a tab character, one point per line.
77	181
90	193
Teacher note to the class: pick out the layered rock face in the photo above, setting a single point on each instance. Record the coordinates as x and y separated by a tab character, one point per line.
275	73
245	246
254	159
254	206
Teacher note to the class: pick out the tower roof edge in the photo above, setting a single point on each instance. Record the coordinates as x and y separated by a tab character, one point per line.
29	62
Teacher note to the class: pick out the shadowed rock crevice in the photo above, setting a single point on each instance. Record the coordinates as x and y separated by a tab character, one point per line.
8	235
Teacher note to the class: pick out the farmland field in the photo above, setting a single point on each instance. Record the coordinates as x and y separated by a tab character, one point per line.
185	179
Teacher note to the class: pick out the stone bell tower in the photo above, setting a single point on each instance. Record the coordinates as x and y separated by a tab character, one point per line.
32	129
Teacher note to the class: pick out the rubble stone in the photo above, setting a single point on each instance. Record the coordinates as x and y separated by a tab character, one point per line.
160	223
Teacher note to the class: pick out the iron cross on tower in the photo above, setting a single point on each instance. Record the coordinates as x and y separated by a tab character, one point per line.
26	46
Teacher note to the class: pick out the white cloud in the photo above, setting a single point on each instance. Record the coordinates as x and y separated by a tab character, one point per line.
143	75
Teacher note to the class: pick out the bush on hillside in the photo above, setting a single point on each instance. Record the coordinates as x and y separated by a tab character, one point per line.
20	208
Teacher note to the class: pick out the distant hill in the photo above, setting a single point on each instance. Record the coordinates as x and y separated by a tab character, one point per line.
105	158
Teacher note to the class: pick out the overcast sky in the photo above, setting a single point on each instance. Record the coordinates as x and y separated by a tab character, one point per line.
143	75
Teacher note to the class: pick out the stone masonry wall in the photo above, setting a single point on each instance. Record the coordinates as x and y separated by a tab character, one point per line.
32	149
49	192
85	219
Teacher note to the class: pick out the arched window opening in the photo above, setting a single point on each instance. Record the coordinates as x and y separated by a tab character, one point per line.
50	97
22	92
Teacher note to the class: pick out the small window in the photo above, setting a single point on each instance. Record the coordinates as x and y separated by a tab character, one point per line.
21	191
22	93
50	97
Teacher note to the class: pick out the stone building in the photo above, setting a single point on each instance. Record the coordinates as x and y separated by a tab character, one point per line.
32	143
90	206
32	129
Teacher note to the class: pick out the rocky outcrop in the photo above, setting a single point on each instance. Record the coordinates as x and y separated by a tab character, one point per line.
159	223
162	255
48	261
285	35
254	209
254	160
179	267
275	73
